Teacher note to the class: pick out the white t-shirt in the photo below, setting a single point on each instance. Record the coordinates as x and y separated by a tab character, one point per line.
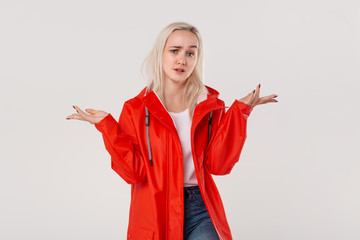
183	126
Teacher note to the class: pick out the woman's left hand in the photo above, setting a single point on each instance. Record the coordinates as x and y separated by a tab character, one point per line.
253	98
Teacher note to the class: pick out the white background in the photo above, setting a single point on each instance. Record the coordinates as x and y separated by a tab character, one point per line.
299	173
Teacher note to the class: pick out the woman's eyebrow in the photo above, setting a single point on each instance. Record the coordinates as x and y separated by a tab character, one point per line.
192	46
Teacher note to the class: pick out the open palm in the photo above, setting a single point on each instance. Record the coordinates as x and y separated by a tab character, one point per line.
253	98
90	115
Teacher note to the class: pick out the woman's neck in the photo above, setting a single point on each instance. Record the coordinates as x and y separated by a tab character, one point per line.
174	97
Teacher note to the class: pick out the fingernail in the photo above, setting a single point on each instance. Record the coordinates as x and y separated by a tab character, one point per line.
254	91
275	96
276	100
74	107
259	85
67	118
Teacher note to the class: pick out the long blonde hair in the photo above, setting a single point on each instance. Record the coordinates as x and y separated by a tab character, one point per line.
194	85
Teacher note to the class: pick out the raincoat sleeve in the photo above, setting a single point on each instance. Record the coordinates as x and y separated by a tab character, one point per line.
225	146
121	143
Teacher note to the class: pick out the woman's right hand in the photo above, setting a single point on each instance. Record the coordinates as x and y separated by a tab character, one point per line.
90	115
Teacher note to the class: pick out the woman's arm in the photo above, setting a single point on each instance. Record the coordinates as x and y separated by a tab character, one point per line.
225	147
121	143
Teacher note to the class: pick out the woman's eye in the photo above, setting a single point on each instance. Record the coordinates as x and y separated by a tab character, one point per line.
173	51
190	54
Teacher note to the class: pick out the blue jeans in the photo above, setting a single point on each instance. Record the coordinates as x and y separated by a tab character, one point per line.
197	222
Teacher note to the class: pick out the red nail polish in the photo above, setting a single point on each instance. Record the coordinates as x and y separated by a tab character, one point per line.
259	85
254	91
74	107
67	118
275	96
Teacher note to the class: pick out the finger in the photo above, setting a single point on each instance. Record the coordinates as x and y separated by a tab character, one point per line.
83	115
258	90
264	101
250	96
257	93
75	116
91	111
75	107
253	98
81	112
267	99
272	96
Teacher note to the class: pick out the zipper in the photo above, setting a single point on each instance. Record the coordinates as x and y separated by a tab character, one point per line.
168	171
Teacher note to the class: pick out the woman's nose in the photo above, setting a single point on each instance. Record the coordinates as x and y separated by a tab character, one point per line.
182	59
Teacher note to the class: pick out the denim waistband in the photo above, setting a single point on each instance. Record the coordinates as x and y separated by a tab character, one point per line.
192	190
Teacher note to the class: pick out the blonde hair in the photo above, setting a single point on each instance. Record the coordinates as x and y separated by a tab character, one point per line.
194	85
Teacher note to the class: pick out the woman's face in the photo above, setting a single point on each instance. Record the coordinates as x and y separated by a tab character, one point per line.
180	56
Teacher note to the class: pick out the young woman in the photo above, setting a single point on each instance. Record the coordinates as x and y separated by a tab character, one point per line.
171	138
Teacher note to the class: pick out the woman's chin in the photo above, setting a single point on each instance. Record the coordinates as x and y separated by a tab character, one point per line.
177	80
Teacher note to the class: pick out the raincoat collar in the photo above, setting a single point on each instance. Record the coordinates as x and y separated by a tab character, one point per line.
206	103
148	96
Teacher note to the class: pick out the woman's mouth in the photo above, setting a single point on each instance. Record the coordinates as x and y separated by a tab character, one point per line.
179	70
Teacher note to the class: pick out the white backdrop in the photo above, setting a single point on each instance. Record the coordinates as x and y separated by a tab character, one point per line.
299	172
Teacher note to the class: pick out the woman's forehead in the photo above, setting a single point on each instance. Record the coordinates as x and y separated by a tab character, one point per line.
182	38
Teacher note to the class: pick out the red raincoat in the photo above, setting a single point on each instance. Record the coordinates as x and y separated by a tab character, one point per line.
157	194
